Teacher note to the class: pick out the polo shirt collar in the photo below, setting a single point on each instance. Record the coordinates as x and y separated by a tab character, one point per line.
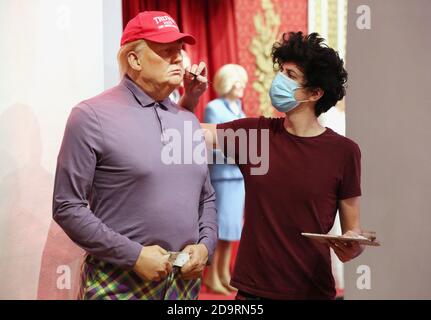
144	99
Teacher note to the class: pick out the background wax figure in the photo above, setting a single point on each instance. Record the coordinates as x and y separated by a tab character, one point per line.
229	83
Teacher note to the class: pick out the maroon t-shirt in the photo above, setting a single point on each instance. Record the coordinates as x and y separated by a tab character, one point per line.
307	176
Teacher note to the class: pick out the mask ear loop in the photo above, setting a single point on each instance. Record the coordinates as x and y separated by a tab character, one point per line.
301	101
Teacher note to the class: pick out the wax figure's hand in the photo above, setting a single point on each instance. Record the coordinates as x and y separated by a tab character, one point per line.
198	258
346	250
153	264
195	84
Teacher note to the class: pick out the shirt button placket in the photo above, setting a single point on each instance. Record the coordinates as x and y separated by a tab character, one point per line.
164	140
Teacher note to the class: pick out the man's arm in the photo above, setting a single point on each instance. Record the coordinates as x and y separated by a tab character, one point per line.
203	252
210	132
349	210
350	215
349	204
208	227
76	165
195	84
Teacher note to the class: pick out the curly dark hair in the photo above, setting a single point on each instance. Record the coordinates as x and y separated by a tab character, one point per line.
322	66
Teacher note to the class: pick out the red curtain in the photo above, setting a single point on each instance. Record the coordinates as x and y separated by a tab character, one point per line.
211	22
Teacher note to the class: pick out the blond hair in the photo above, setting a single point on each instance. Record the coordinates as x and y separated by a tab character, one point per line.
122	56
227	76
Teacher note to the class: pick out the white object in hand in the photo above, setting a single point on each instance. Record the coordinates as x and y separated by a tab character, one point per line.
179	259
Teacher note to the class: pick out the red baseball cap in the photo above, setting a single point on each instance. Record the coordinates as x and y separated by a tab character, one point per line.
155	26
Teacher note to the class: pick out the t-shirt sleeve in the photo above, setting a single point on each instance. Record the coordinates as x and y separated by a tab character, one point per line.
351	181
233	138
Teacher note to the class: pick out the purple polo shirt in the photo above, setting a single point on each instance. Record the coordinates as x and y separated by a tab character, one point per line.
113	193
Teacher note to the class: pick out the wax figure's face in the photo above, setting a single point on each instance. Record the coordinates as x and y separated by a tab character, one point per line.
161	63
237	91
186	59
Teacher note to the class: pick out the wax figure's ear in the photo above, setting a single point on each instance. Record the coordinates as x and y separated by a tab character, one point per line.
133	59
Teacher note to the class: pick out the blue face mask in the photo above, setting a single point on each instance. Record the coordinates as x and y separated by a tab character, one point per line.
282	93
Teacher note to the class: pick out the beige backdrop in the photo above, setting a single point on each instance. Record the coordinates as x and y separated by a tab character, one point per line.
53	54
388	114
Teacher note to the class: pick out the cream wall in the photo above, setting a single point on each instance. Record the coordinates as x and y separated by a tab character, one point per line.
54	53
388	111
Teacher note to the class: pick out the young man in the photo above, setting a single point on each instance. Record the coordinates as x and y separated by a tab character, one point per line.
313	172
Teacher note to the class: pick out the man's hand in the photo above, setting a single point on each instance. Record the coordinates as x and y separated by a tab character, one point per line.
346	250
153	264
195	266
195	84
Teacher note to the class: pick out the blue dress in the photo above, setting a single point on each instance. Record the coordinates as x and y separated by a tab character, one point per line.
226	179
